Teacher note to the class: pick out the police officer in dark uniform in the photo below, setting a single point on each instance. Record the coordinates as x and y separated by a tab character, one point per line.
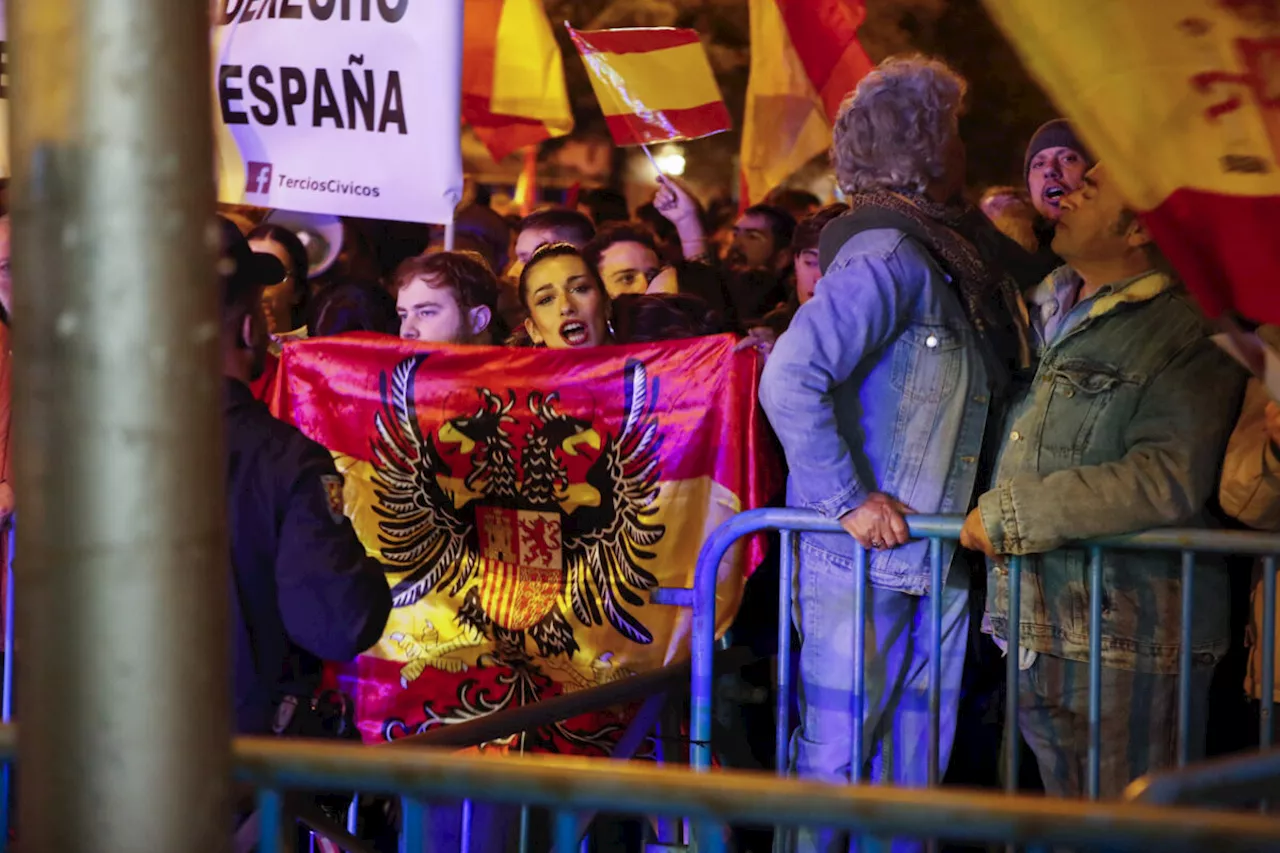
303	589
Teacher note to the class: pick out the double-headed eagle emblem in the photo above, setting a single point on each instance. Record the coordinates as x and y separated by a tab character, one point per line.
524	546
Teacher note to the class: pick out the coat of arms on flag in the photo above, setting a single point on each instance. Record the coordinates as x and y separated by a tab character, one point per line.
491	531
520	551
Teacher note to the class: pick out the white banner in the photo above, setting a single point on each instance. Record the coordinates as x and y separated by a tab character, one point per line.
347	107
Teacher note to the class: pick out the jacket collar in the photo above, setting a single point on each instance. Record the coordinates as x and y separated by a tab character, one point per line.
1055	295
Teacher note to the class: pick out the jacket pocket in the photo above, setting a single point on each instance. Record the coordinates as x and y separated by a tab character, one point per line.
1081	390
1033	609
926	362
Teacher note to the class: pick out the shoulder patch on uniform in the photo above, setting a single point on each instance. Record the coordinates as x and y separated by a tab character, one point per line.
332	484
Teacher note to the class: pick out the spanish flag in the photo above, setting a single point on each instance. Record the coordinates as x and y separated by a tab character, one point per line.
654	85
513	89
525	503
1179	98
805	58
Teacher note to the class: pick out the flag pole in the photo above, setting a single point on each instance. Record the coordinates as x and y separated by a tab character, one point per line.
454	20
649	154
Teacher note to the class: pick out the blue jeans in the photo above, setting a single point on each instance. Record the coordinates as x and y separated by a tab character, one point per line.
896	707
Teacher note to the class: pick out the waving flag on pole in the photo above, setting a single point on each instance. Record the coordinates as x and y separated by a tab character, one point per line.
1181	99
805	58
513	90
654	85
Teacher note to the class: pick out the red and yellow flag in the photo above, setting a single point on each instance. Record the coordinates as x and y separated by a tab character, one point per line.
654	85
1180	99
525	502
513	89
805	58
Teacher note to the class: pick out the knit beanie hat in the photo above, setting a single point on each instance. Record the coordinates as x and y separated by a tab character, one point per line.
1054	134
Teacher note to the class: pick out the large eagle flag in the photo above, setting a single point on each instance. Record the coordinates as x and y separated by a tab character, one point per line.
525	503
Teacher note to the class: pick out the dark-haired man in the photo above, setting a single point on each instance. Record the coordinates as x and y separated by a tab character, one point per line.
762	240
626	258
554	225
1121	430
805	248
1054	167
798	203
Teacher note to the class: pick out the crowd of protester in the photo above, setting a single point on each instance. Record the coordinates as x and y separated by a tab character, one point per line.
1029	362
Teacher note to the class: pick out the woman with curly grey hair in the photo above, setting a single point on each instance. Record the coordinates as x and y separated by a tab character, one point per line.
881	392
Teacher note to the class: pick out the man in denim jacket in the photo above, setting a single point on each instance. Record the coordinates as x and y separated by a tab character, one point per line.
1122	430
879	392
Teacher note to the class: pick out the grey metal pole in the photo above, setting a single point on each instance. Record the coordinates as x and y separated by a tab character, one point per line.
123	683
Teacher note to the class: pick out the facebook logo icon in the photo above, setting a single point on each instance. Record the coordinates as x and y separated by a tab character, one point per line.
258	178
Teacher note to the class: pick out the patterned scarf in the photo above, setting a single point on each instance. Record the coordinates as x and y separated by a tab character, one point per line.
954	236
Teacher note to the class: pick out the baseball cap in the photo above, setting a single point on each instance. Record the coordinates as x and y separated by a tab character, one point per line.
239	267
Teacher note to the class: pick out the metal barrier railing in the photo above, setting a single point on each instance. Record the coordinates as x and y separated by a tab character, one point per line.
1240	780
568	786
937	529
653	689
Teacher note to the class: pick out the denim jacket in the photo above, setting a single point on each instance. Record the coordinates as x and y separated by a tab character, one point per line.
878	385
1122	430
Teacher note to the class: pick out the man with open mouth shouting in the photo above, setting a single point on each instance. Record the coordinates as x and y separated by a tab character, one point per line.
1055	165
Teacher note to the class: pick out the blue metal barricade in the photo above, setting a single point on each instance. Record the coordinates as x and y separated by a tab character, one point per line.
571	788
568	788
937	529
